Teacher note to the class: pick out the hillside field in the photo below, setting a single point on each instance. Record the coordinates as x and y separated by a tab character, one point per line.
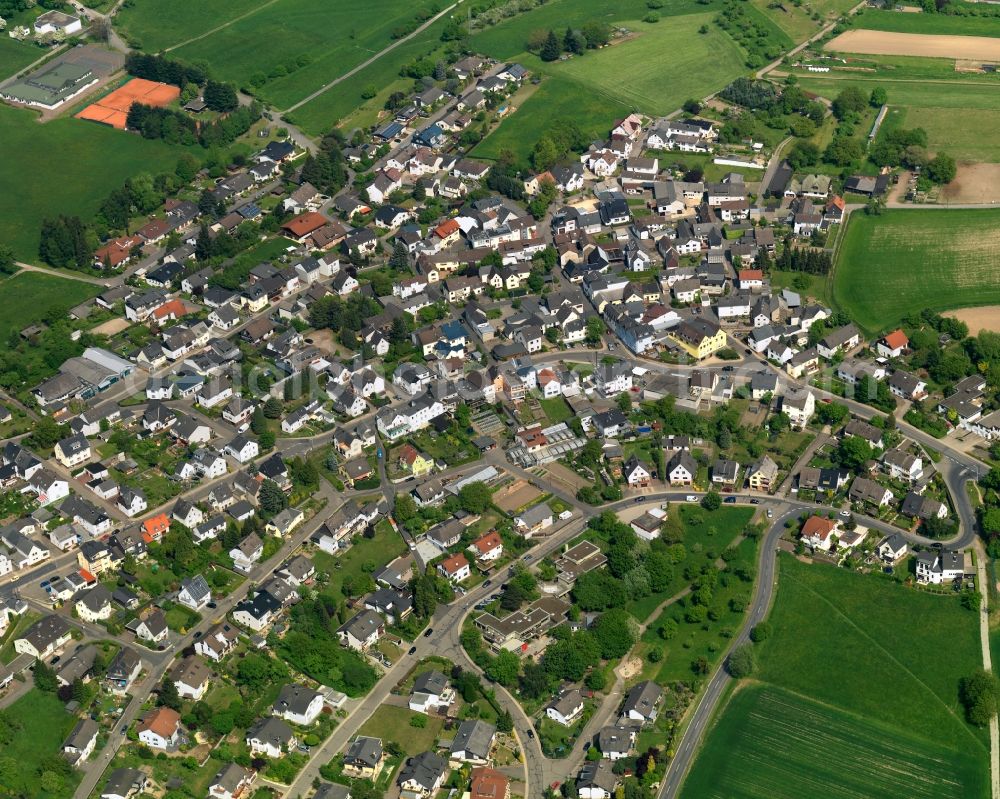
66	166
960	117
155	25
856	695
297	46
907	260
28	296
940	24
664	64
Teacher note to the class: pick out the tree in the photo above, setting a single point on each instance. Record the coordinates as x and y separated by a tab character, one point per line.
803	154
624	402
596	33
272	408
761	632
272	498
551	50
504	668
597	680
878	98
978	694
504	721
168	695
853	453
711	501
475	497
45	678
850	101
615	632
941	169
594	330
741	663
220	96
399	259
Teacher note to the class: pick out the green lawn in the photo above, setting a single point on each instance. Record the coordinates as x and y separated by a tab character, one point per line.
907	260
816	286
27	296
774	744
557	409
856	695
796	20
297	46
154	25
391	723
42	725
66	166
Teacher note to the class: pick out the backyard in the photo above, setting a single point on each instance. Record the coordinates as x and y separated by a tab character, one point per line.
40	725
28	296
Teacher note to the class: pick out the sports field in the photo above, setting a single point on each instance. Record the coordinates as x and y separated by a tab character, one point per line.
294	47
856	695
906	260
65	166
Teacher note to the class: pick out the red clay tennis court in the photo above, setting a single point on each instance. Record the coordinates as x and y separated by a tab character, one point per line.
113	109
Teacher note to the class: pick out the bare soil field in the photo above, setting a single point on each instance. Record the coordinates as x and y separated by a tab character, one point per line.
916	44
973	183
111	327
985	318
565	475
516	495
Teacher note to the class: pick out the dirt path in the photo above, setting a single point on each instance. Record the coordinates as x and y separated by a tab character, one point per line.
351	73
223	26
66	273
984	636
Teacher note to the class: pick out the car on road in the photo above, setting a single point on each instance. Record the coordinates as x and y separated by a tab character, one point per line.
639	499
428	631
55	660
845	513
754	501
487	584
197	635
527	557
730	500
770	513
531	733
413	651
691	498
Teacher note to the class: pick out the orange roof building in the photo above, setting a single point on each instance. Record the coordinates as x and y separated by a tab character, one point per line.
488	783
817	532
117	251
163	721
173	309
447	228
488	546
455	565
750	274
303	225
155	526
896	340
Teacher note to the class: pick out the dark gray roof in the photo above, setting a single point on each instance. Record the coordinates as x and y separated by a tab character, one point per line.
364	751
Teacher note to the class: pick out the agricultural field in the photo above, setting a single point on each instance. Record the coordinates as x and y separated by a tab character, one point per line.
292	48
938	24
851	697
66	166
155	25
907	260
28	296
774	744
871	42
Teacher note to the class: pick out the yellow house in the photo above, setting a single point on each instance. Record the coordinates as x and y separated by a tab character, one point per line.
699	338
95	557
414	461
